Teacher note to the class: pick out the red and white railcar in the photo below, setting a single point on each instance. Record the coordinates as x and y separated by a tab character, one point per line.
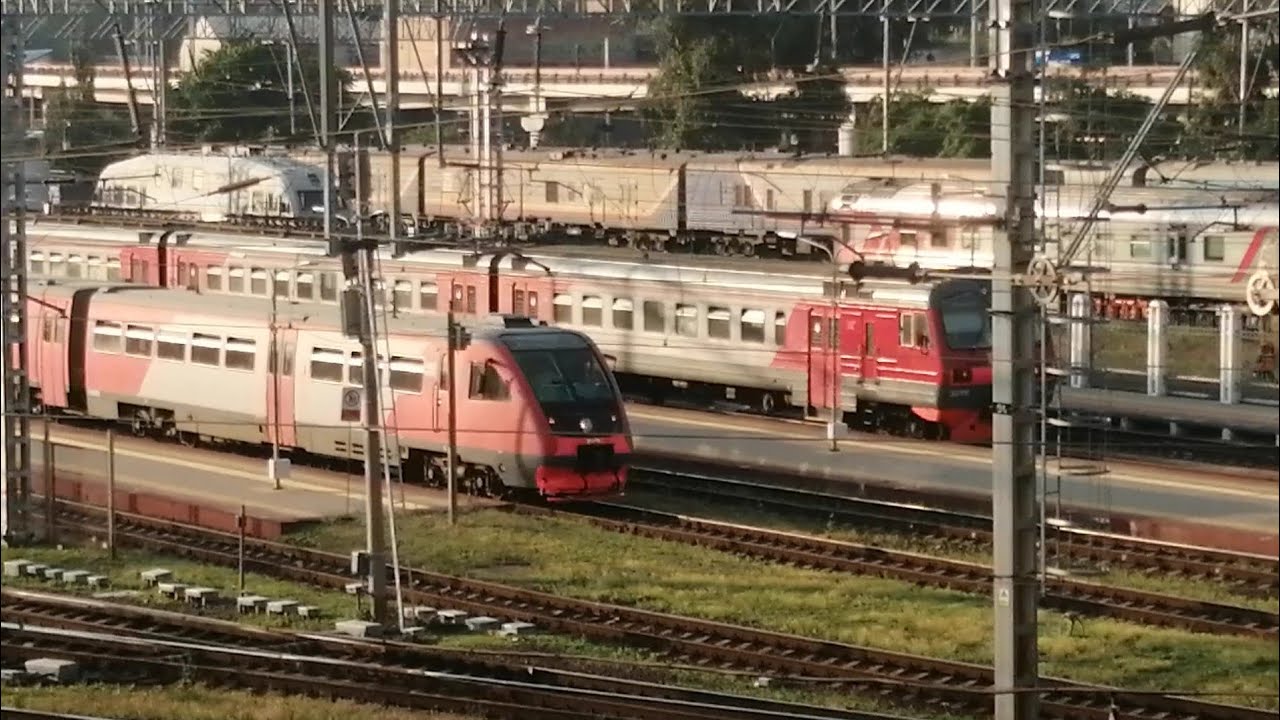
536	407
911	358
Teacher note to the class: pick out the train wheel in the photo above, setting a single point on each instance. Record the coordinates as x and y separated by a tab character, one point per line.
138	423
768	403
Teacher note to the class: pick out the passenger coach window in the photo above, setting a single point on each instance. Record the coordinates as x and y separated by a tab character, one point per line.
427	295
1215	249
780	329
280	287
213	278
305	286
171	346
486	383
655	319
402	295
138	339
206	349
327	365
687	320
907	239
406	374
107	337
592	311
517	301
471	299
240	353
258	282
752	324
235	280
623	314
328	287
718	323
75	266
563	309
913	330
1139	248
113	270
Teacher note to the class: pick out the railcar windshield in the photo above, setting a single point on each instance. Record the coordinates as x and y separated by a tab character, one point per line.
311	201
966	320
568	381
565	375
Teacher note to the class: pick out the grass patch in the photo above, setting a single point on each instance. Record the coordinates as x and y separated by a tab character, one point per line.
559	651
570	558
196	702
746	513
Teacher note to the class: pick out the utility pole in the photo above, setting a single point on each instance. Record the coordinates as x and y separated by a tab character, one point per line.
451	372
1014	317
392	135
375	533
15	396
885	32
439	121
328	110
537	117
1244	72
293	105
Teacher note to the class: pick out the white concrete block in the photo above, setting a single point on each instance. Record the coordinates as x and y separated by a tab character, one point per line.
171	589
251	603
154	576
97	581
517	628
308	611
35	569
358	628
281	607
75	577
57	670
355	588
452	617
481	623
53	573
200	595
15	568
412	632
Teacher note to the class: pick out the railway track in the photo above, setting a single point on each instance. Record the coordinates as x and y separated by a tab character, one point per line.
917	680
41	610
805	550
1249	574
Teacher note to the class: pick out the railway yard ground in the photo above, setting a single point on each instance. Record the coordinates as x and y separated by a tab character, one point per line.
198	702
874	597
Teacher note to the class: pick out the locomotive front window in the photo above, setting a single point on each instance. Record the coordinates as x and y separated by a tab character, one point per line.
966	324
565	375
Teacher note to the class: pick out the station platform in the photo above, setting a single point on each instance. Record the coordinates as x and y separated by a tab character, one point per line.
209	488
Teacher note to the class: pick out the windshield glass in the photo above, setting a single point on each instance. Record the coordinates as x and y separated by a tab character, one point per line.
565	375
966	321
310	200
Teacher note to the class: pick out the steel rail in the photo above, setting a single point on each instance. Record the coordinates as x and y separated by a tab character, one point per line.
69	612
1062	594
908	678
1248	573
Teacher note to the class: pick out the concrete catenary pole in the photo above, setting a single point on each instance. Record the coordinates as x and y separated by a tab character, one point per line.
1014	320
15	462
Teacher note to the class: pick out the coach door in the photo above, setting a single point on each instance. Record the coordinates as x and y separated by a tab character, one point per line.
281	416
51	368
870	363
822	361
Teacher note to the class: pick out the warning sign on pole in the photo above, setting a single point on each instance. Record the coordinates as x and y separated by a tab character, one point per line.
351	404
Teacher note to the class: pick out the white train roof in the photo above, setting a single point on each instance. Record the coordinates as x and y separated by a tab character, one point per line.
238	308
790	278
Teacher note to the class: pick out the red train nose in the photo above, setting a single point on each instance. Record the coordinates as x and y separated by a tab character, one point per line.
566	483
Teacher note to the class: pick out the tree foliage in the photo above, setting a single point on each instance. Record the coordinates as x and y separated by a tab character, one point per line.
1213	123
79	131
239	93
923	128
